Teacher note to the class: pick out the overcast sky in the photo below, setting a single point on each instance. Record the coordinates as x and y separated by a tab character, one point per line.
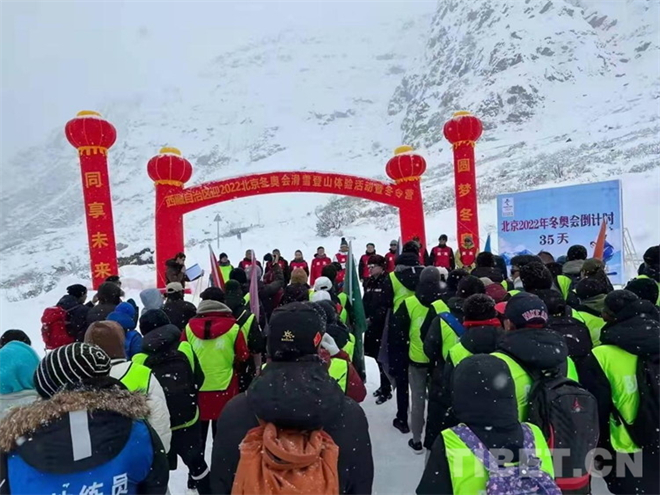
60	57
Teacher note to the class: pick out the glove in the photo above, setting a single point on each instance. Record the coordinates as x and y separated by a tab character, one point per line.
329	344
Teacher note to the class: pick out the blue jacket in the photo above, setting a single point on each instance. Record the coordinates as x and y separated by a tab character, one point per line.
112	450
18	361
132	344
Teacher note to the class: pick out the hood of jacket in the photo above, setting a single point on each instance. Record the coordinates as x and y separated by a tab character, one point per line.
408	275
482	339
299	395
572	267
161	339
536	348
594	305
210	326
51	416
428	292
151	299
637	329
68	302
487	392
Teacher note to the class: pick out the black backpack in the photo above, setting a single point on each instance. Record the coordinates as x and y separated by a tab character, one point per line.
174	373
567	414
643	429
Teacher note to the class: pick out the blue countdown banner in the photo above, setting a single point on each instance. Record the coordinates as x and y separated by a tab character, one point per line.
554	219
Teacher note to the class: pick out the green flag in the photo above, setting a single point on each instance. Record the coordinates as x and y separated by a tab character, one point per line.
358	318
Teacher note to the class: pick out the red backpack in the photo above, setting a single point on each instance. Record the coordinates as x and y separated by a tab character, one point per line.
54	331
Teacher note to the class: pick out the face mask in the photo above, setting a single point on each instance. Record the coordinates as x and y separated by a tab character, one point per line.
517	283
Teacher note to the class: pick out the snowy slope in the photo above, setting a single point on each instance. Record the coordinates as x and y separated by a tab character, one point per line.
567	89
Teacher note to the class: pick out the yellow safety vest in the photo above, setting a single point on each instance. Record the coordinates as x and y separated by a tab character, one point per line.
400	291
417	314
620	368
339	371
137	378
216	357
468	474
343	300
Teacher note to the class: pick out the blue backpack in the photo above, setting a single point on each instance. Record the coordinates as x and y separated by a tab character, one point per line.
525	478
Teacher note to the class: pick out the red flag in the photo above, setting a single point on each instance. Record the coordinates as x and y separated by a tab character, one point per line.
600	241
216	278
254	287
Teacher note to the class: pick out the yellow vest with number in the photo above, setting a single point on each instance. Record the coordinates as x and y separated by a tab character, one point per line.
620	368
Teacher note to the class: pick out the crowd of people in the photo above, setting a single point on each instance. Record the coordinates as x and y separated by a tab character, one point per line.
494	371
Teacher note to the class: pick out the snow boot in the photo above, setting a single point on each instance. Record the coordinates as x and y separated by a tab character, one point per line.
401	425
416	447
383	398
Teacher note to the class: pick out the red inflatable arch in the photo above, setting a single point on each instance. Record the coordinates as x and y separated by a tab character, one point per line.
170	171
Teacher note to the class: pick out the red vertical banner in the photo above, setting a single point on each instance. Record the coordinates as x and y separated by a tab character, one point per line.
462	131
91	135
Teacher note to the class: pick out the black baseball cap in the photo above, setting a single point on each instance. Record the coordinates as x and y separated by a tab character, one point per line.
525	310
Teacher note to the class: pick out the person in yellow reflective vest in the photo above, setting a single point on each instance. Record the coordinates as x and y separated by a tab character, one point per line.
408	329
529	345
406	273
486	408
174	363
109	336
591	293
650	269
482	332
219	344
630	335
571	270
224	267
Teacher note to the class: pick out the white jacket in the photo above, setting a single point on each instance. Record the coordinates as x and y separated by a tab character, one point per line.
159	419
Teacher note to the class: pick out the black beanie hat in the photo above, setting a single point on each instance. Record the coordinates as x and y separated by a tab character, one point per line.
589	287
485	260
576	252
479	307
268	257
470	285
329	271
153	319
455	276
410	247
296	330
535	276
618	300
644	288
239	275
652	256
213	294
68	365
11	335
76	290
523	259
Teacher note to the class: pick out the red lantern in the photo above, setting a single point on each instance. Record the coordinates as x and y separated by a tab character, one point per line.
405	165
463	127
90	133
169	168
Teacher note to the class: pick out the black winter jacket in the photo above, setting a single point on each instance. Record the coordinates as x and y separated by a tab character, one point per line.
299	395
489	411
76	316
115	429
481	339
99	312
377	301
488	272
636	330
179	312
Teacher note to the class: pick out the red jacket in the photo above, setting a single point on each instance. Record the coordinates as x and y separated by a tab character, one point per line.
443	256
317	268
245	263
284	265
299	264
391	261
355	388
363	268
343	259
210	326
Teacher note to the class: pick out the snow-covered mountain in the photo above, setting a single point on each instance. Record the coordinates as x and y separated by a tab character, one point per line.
567	89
